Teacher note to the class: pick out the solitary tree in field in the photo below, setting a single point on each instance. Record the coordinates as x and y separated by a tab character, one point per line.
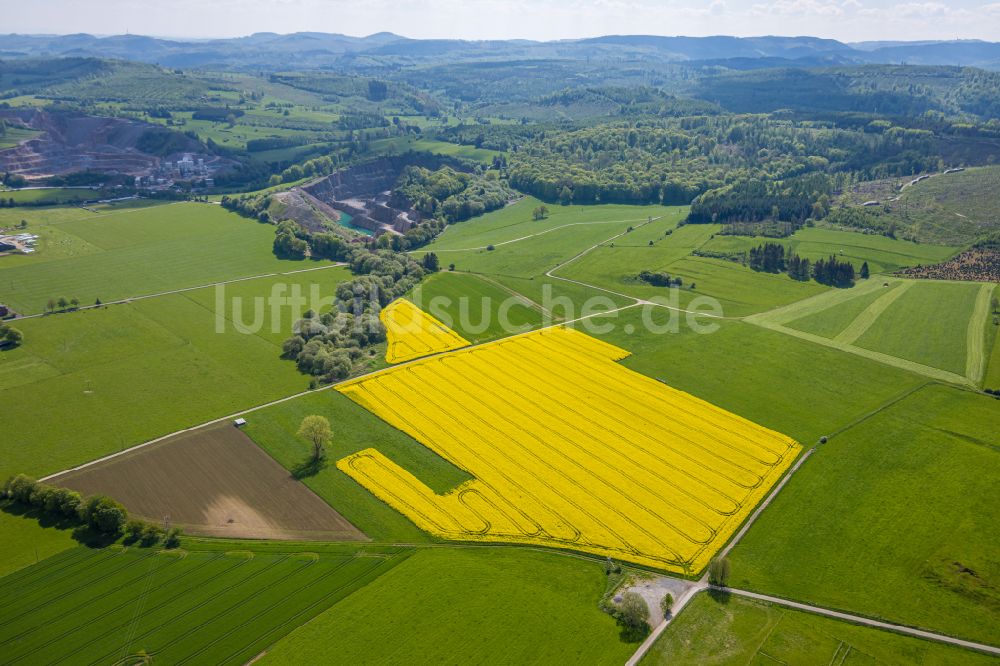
539	213
864	271
666	603
316	430
995	303
63	303
51	305
633	611
75	302
718	571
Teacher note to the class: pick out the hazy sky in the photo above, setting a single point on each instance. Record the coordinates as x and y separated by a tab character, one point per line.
847	20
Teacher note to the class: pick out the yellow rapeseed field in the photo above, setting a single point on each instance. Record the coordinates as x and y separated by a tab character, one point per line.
570	449
414	333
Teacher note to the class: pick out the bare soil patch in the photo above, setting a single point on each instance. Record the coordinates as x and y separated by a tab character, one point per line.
214	482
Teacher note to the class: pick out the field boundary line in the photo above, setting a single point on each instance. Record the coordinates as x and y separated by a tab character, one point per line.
860	325
975	337
866	621
752	518
182	290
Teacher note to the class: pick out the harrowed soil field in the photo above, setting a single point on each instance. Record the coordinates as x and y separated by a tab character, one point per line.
213	481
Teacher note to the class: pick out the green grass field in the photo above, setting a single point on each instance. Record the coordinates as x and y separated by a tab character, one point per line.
894	517
793	386
25	541
88	383
354	429
927	324
831	321
466	606
515	222
138	251
883	254
112	605
745	631
50	195
739	290
476	307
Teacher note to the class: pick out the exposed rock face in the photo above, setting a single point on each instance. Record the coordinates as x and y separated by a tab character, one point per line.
71	142
362	191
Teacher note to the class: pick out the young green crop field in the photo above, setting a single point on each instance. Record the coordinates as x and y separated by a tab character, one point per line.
744	631
137	252
88	383
467	606
114	605
894	517
25	540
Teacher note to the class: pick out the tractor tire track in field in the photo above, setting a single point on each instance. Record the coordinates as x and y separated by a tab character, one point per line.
869	315
975	345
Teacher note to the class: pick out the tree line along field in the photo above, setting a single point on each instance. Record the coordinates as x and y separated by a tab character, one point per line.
893	518
883	254
89	383
736	630
142	251
118	605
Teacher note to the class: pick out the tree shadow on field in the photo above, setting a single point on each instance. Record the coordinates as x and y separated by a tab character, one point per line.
91	538
632	634
82	534
308	467
719	594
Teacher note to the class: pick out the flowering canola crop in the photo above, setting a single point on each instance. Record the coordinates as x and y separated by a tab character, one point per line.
413	333
569	449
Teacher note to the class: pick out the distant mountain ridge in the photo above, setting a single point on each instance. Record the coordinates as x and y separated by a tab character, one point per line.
272	51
